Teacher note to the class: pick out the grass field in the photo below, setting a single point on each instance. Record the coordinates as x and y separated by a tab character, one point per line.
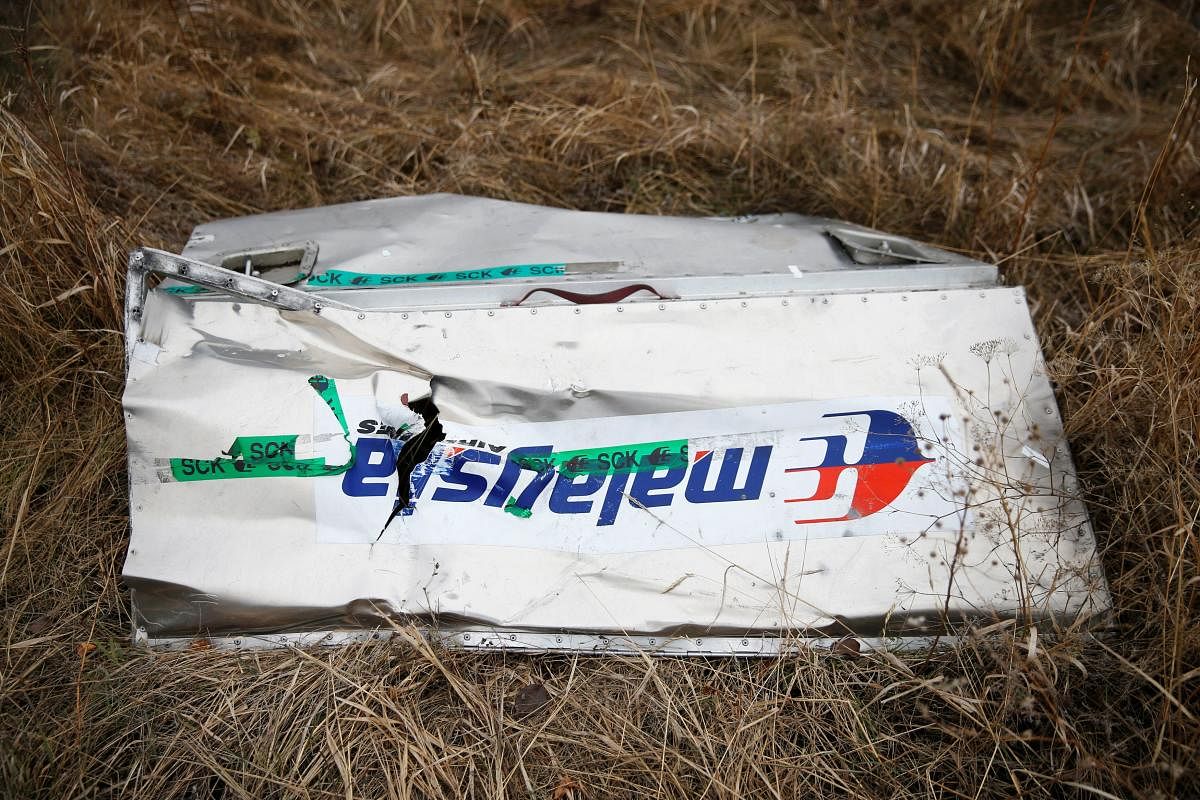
1056	138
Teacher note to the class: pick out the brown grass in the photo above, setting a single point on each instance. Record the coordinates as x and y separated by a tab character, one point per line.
1058	138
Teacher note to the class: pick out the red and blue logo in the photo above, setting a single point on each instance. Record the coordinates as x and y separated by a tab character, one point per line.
889	460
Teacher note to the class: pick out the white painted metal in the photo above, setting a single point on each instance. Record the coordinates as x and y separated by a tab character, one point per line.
985	524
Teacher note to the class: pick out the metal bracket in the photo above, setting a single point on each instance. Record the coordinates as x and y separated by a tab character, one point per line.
145	261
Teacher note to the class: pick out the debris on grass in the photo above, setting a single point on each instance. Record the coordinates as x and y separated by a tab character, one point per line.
125	123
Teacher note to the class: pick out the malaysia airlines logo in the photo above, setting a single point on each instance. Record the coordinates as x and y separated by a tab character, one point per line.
889	460
599	482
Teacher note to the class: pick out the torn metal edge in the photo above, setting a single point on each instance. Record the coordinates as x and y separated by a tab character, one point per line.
496	639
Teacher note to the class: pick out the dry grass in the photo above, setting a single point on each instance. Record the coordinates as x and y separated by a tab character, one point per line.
1055	136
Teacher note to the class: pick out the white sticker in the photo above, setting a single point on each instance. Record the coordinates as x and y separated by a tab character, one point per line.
820	469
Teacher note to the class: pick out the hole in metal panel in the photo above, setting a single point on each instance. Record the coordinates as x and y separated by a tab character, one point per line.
286	264
877	249
414	453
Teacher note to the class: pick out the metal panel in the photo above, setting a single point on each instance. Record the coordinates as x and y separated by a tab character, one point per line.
914	433
447	251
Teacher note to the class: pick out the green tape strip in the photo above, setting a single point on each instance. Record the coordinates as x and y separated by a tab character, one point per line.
340	278
216	469
326	388
641	457
511	507
354	280
264	449
270	456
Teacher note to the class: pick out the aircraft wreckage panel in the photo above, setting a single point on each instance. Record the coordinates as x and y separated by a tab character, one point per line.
567	476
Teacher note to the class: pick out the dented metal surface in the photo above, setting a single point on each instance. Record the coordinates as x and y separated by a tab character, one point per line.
786	427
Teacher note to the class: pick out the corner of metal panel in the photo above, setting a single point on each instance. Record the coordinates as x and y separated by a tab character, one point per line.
138	635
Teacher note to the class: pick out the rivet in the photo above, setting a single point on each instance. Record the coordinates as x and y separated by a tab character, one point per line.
943	297
533	311
404	316
362	316
577	311
785	302
558	639
449	314
466	637
745	643
864	299
661	306
491	313
904	298
620	309
183	269
703	306
139	256
274	293
825	301
744	304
